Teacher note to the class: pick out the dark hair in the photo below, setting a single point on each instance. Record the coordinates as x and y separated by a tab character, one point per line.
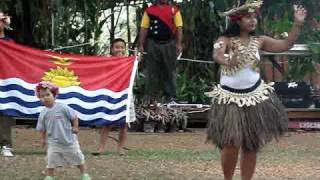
157	1
117	40
234	30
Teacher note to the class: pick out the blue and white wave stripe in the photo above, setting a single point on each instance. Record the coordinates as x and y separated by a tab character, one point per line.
99	107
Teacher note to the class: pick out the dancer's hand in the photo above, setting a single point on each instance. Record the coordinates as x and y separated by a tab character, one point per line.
300	14
233	61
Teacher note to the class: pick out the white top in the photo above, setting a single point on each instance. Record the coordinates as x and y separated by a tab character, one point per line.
245	78
244	75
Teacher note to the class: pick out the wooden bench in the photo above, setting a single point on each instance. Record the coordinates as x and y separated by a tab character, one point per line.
303	113
304	118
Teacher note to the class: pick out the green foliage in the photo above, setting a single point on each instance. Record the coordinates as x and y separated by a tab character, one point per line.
139	85
314	45
193	89
315	49
299	67
279	25
277	17
4	5
202	26
76	22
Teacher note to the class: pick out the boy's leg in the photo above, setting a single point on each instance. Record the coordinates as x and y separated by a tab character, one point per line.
50	171
84	175
122	139
103	138
82	168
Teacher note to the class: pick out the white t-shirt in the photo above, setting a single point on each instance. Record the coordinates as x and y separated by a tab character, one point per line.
56	121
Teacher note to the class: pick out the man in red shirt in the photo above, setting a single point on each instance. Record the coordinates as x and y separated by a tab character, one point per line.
161	39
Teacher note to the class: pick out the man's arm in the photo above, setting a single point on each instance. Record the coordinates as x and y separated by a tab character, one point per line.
179	38
145	23
273	45
179	34
142	38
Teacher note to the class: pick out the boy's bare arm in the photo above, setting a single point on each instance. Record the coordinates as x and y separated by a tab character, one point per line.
43	138
75	125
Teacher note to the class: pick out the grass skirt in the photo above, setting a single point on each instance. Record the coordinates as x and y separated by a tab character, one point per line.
246	126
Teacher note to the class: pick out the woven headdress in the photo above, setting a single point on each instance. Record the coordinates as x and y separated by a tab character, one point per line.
251	6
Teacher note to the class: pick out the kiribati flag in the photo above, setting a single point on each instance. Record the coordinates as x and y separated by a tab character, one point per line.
98	88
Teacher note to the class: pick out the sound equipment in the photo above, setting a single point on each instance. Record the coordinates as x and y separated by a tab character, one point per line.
294	94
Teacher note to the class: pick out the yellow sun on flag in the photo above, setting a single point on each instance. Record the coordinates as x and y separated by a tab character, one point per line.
61	77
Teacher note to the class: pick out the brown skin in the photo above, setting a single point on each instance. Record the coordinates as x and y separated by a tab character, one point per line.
2	25
4	22
229	158
118	49
179	37
229	154
104	136
142	38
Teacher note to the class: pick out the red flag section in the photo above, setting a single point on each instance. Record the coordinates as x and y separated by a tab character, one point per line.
88	72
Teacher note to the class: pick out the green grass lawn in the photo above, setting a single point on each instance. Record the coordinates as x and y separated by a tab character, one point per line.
180	156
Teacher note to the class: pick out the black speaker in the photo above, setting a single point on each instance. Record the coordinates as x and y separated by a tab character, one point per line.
294	94
297	102
316	102
292	89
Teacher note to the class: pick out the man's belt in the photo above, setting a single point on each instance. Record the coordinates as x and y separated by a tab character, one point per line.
162	41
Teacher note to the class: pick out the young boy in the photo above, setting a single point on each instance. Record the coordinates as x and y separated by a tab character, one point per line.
118	47
59	125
